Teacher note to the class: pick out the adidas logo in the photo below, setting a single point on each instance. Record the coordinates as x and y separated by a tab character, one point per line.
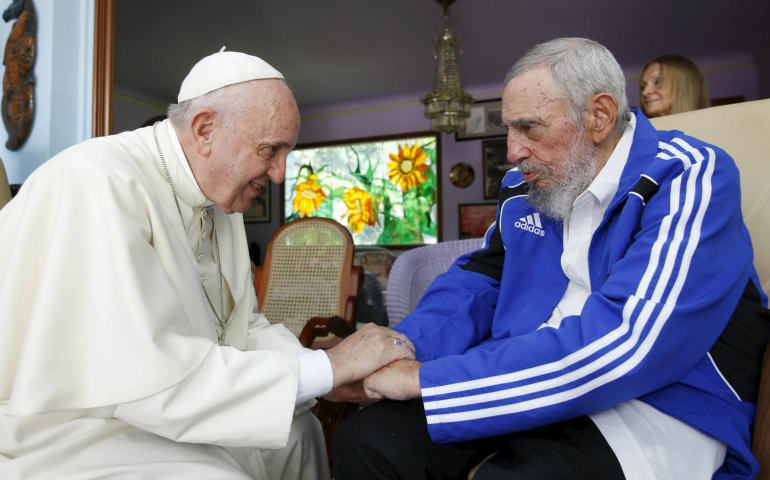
531	224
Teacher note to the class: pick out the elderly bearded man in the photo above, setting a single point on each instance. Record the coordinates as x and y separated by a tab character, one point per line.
610	327
131	345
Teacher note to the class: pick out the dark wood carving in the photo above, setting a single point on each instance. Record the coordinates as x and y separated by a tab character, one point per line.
19	78
104	65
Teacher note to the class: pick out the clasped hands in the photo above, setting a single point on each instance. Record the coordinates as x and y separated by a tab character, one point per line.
369	365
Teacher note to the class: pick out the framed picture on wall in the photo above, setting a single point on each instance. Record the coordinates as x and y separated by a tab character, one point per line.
385	190
486	121
260	207
476	218
495	166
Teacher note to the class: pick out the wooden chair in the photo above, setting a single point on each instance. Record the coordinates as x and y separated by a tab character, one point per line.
309	284
308	279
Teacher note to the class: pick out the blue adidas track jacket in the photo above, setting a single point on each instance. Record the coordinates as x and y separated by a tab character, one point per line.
675	318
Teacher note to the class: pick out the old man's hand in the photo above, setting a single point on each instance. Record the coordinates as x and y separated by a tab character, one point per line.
365	351
399	380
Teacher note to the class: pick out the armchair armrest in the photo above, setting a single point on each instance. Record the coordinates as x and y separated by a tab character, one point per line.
258	277
356	282
322	326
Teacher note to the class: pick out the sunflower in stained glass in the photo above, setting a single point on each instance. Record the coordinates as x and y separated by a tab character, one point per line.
359	204
406	169
309	196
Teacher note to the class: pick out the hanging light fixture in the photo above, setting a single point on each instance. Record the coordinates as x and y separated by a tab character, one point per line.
448	106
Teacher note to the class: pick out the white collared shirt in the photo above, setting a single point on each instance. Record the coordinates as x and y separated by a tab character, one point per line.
316	377
180	154
648	444
587	212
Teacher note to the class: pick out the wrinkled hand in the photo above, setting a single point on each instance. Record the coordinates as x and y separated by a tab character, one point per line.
399	380
354	392
365	351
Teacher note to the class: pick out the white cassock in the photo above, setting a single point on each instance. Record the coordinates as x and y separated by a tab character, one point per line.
109	361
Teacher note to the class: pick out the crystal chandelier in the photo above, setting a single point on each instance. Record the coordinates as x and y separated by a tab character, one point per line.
448	106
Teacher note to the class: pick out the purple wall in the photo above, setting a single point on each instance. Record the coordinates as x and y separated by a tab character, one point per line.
763	72
726	82
407	119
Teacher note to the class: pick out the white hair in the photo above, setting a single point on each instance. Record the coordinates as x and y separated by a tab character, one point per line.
582	68
227	102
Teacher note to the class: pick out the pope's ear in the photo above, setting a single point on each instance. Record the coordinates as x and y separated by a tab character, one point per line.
603	114
203	131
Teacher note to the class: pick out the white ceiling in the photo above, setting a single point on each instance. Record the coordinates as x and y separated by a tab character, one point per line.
335	51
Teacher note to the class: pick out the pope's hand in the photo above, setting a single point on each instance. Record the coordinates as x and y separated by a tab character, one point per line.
398	381
365	351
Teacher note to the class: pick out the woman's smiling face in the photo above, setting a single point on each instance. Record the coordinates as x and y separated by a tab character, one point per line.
657	92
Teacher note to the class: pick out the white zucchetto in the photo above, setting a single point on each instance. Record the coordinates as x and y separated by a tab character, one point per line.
223	69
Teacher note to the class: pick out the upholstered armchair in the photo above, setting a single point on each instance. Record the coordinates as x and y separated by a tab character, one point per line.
415	270
743	131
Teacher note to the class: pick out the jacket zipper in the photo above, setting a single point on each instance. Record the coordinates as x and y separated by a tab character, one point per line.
606	216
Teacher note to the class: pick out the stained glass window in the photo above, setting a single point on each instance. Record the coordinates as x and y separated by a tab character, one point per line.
384	191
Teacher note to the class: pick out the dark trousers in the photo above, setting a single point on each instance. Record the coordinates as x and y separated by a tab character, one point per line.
389	440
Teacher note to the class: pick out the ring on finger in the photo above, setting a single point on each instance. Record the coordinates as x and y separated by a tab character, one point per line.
398	341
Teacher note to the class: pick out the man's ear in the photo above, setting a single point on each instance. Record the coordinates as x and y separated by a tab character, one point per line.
602	116
202	128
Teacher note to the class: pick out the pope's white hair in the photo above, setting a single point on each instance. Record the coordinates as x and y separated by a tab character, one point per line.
227	102
582	68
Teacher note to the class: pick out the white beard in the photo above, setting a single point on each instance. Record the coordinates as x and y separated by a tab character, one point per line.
576	172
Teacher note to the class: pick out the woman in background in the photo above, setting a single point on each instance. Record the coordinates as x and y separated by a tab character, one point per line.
671	84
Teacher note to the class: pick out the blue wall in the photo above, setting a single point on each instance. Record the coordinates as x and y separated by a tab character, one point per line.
63	80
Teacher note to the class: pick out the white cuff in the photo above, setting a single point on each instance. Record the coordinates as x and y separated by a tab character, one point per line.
315	375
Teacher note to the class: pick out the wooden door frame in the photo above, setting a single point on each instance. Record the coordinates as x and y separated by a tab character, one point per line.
104	63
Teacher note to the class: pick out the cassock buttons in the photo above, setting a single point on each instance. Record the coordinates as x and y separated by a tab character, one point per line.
198	258
203	233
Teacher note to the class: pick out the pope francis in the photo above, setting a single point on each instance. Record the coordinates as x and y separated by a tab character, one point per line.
131	345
